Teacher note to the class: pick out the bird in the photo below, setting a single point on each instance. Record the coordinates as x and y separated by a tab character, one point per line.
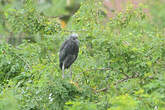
68	53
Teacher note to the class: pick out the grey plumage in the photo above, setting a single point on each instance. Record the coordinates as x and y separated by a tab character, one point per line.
69	52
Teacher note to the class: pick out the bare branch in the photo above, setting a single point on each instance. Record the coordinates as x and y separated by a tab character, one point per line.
102	90
127	78
125	74
119	81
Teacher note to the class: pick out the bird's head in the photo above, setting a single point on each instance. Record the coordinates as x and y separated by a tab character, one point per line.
74	36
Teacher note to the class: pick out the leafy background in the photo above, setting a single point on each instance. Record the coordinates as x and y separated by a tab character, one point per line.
120	66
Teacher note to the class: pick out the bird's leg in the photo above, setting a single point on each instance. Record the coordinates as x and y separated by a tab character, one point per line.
63	71
70	72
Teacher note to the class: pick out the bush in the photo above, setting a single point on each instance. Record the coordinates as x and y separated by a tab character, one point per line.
120	64
12	64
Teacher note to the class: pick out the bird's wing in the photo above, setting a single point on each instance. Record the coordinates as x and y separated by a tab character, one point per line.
63	45
72	50
68	48
62	54
69	60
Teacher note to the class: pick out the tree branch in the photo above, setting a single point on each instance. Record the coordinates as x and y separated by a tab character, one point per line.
119	81
127	78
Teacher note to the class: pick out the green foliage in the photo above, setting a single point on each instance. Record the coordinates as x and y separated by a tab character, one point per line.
81	106
11	63
31	22
123	102
8	101
157	6
120	64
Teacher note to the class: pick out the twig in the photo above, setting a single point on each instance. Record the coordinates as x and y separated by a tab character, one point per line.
102	90
120	81
127	78
27	64
125	74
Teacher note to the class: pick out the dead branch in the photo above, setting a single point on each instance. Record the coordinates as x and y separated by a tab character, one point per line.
119	81
127	78
125	74
101	90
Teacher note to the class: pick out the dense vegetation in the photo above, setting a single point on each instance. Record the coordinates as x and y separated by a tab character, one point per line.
121	63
